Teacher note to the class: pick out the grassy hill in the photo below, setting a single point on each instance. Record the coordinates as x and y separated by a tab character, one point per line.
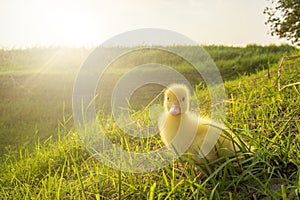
44	167
36	84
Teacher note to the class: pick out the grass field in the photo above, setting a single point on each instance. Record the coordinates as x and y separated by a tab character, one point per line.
43	158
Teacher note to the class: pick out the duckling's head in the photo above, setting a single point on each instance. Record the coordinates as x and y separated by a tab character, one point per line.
176	99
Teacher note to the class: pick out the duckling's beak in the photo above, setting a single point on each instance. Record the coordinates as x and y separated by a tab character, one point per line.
175	109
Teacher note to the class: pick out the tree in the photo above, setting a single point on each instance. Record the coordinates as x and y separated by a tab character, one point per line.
284	19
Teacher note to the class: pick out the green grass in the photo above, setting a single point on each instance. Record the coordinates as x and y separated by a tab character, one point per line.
36	84
268	119
60	167
35	90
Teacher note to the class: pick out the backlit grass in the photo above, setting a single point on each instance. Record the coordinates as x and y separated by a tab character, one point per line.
266	118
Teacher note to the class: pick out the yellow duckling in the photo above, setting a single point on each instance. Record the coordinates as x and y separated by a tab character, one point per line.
183	132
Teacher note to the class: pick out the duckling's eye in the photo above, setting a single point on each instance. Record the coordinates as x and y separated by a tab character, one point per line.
168	98
182	99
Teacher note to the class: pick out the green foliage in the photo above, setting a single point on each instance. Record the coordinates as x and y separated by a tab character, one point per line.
234	61
284	18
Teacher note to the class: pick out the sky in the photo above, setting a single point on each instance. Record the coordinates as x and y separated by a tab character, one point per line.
87	23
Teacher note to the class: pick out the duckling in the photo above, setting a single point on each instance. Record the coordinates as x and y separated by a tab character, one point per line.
185	133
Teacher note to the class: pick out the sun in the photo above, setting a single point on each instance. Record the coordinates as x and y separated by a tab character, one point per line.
74	30
64	23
